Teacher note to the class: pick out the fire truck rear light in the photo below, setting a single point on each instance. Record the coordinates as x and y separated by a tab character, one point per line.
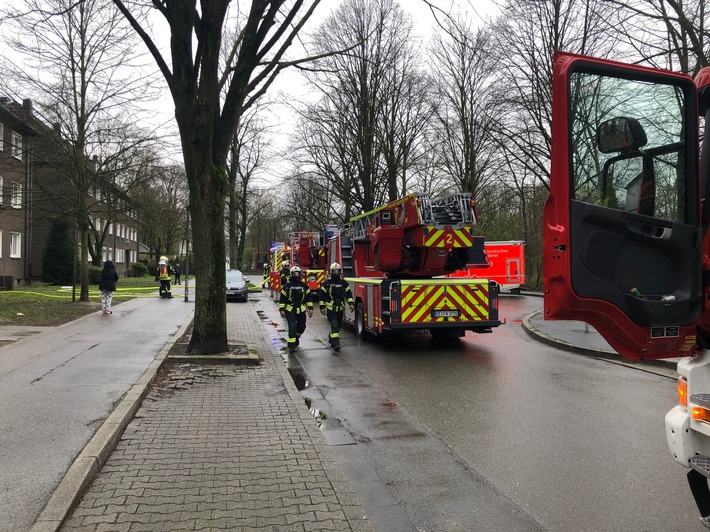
699	413
682	391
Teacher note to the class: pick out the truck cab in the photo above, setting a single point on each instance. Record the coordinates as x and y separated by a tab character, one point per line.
625	227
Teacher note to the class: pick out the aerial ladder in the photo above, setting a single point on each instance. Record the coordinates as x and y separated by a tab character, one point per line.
396	256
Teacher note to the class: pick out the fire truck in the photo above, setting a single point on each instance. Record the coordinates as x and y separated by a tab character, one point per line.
304	249
626	240
395	259
505	265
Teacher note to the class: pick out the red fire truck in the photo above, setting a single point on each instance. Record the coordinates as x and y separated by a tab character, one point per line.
305	249
506	265
395	259
626	239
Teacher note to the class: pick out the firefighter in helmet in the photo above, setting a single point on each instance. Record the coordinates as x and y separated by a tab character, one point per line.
164	272
284	273
295	301
334	293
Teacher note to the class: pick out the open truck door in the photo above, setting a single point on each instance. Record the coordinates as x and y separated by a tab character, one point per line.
622	231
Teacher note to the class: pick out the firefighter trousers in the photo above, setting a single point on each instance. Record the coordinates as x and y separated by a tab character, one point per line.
165	288
296	326
335	318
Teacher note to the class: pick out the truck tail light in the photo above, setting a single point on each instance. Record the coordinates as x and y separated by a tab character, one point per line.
683	393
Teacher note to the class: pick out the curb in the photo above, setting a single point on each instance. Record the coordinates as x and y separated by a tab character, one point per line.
537	334
97	452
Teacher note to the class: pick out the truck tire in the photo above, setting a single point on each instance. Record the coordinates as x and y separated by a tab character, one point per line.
360	330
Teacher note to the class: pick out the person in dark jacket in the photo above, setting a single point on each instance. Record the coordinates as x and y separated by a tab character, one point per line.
334	294
295	301
107	285
177	270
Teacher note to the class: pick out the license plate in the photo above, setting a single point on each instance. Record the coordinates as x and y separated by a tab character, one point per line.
231	292
445	313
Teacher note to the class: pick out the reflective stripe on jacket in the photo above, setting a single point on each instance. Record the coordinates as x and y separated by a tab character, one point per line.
295	297
334	294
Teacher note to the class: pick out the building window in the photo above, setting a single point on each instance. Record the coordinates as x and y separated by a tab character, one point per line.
1	189
2	137
120	256
16	145
110	228
16	197
110	254
15	245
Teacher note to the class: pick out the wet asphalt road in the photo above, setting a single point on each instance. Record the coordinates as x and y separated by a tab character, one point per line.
495	432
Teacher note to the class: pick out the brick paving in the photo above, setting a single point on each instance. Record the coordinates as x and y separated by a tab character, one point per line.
222	447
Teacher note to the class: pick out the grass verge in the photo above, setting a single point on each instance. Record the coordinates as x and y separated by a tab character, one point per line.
49	306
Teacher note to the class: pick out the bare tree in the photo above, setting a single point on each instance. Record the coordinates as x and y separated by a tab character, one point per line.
248	152
670	34
209	103
161	203
462	70
523	41
77	64
366	121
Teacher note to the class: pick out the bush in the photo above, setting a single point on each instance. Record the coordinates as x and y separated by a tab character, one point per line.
138	269
152	268
58	258
94	274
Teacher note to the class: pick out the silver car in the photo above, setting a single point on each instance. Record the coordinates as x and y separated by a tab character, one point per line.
236	285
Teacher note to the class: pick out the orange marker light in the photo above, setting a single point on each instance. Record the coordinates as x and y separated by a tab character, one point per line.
682	391
701	414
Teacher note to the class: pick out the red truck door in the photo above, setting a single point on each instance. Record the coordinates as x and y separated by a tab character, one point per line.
622	233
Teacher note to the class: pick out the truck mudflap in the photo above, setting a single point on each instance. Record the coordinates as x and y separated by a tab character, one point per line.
469	304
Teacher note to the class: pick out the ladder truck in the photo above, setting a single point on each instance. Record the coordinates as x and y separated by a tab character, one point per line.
395	259
626	240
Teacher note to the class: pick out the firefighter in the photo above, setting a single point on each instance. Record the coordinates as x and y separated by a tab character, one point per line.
267	271
284	273
164	272
294	302
334	293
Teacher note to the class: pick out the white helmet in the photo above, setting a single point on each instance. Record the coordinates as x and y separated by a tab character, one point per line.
285	264
335	266
295	270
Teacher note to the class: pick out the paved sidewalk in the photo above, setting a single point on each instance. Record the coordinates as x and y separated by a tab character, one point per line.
221	447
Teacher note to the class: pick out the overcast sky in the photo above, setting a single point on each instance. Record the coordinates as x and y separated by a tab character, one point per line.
290	85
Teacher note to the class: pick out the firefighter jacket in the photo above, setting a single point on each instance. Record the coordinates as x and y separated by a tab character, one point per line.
284	276
334	293
295	297
163	272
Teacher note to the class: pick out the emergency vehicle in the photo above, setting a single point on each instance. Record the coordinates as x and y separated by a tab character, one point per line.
505	265
304	249
395	259
626	241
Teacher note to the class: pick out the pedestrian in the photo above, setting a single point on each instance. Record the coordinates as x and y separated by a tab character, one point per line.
267	272
178	273
164	277
294	302
334	293
107	285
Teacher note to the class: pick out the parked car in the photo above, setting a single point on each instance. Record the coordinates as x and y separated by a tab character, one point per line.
236	285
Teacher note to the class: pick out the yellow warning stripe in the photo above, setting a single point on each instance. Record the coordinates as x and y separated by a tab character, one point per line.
441	238
418	301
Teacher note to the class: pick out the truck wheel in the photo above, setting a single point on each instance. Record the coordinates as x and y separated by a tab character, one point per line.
360	322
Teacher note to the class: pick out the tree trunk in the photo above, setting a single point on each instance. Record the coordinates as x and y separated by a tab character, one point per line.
207	200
